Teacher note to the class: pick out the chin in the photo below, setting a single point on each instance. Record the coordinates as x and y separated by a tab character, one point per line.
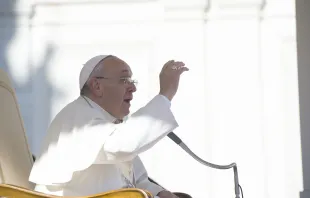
125	113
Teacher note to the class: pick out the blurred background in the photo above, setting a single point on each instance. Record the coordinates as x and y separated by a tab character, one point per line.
238	103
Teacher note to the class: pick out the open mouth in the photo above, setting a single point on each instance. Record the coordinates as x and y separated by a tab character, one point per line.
127	100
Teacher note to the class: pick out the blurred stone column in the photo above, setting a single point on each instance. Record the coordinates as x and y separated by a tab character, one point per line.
280	99
181	37
234	95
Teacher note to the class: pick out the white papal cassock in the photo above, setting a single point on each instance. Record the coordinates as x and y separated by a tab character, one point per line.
85	153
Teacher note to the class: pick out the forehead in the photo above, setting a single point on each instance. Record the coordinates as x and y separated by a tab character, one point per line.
116	67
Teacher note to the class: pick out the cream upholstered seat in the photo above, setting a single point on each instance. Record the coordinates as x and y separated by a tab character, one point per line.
15	157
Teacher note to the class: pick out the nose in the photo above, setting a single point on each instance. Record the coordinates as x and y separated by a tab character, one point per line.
132	88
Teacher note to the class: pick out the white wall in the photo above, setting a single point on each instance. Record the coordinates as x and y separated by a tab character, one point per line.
242	81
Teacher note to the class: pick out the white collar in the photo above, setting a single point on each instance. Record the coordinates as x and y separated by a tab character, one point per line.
96	106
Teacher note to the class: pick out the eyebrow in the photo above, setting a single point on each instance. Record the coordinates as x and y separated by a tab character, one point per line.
126	72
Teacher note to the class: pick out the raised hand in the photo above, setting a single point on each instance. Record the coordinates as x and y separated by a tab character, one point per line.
169	78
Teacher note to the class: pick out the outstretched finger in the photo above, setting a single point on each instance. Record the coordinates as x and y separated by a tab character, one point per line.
182	69
179	64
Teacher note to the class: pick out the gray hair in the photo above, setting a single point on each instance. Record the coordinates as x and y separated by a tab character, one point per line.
97	70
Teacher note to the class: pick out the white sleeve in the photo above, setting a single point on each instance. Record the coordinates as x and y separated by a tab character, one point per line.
140	132
142	178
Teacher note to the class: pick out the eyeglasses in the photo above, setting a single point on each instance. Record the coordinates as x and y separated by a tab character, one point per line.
124	80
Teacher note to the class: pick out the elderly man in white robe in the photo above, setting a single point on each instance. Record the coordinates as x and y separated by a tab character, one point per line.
90	148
